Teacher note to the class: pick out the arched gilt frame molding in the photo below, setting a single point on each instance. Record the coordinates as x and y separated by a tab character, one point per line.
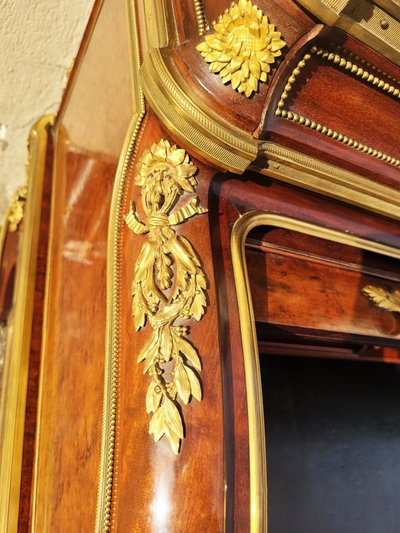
257	447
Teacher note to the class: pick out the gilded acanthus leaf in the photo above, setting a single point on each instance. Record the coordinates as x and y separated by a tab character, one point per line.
16	208
390	301
169	285
242	47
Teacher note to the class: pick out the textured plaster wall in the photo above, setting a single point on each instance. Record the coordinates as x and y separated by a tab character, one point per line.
38	41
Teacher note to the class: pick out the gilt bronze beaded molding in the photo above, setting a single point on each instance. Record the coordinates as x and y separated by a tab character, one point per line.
168	287
111	364
353	69
202	26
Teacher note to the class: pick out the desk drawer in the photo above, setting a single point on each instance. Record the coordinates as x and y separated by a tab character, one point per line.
306	283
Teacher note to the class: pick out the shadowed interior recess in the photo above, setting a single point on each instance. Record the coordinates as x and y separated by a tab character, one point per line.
333	445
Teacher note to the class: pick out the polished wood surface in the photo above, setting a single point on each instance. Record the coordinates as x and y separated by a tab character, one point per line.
306	289
338	100
68	444
292	289
208	90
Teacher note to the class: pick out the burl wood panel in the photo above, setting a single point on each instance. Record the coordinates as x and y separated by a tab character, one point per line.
291	290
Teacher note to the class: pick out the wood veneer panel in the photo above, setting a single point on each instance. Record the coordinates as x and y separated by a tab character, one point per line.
69	431
295	291
348	105
91	128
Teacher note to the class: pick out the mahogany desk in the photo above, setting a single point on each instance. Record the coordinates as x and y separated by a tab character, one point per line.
220	188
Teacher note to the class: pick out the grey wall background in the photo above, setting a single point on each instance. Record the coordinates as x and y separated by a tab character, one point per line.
38	41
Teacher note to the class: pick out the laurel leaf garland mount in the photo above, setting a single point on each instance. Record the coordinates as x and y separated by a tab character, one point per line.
243	47
389	301
169	286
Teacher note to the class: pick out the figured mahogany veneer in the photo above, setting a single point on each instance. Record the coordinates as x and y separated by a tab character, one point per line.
294	288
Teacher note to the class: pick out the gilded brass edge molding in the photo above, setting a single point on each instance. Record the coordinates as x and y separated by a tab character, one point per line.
351	68
158	28
377	26
200	16
382	298
217	141
302	170
242	47
240	230
13	394
111	365
169	286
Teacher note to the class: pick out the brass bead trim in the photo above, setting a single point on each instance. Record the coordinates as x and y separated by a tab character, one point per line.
111	366
321	128
111	371
344	139
358	71
358	59
200	17
291	80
